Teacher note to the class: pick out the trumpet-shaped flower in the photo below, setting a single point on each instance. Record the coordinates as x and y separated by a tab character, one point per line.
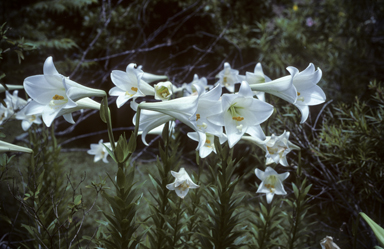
35	108
27	120
228	77
308	92
209	104
182	183
241	112
55	92
207	141
276	148
8	147
271	183
129	84
99	151
189	87
281	87
163	90
156	113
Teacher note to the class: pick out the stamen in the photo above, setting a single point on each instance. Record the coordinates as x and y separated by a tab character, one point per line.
58	97
225	80
197	116
134	89
163	91
238	118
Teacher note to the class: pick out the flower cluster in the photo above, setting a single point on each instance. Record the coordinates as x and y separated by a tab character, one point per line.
205	109
229	116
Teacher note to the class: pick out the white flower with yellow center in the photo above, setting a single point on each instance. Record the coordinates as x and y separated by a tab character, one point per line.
99	151
271	183
182	183
228	77
308	92
129	84
27	120
276	148
241	112
53	92
163	90
208	142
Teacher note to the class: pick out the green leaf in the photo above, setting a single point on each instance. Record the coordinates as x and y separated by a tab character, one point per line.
104	111
378	230
77	200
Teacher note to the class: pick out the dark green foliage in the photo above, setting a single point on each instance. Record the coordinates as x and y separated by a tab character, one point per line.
266	225
351	163
299	229
124	203
221	228
165	213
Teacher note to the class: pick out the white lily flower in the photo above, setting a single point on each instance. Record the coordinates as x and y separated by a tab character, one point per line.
276	148
163	90
240	112
156	113
271	183
8	147
189	87
27	120
10	87
209	104
308	92
129	84
207	140
281	87
182	183
55	92
99	151
35	108
228	77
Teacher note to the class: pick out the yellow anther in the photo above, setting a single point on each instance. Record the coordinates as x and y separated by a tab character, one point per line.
238	118
197	116
225	79
163	91
58	97
298	94
208	141
134	89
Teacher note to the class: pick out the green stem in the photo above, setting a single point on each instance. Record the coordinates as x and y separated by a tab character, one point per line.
109	124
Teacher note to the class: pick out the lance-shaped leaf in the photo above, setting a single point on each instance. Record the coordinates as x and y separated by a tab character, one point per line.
378	230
